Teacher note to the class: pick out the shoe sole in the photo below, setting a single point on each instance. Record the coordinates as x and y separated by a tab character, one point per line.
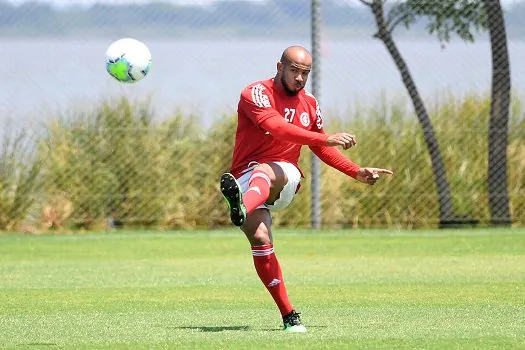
231	191
295	329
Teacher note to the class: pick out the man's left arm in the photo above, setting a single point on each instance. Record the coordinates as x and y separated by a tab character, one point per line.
336	159
333	157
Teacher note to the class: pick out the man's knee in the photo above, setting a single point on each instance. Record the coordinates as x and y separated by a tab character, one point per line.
278	180
257	227
261	237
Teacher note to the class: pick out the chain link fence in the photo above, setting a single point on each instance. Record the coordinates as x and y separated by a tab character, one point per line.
80	150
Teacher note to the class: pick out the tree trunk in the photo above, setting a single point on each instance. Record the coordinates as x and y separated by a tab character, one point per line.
499	116
446	216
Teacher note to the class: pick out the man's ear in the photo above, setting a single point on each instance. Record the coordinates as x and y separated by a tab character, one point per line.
280	66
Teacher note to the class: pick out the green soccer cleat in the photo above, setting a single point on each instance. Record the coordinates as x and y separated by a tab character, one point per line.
231	190
292	323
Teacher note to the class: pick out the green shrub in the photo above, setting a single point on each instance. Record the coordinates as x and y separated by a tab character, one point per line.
114	163
19	178
119	162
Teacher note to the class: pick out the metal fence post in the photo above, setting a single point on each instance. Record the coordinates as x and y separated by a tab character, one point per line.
316	167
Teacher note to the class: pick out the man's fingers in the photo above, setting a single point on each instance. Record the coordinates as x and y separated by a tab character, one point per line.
374	171
350	139
342	139
335	140
384	171
372	174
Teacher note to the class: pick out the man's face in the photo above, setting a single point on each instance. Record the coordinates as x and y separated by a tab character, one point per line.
294	76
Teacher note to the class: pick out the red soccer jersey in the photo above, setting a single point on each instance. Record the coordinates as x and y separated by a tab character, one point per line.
259	101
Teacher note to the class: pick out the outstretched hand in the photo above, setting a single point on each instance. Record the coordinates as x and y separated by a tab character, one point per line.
342	139
371	175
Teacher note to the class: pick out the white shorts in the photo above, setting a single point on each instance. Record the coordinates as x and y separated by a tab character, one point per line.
287	193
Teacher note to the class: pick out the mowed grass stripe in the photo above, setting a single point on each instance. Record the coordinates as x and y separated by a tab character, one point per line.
434	290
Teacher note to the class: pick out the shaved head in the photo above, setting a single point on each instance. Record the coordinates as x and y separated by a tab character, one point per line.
298	55
293	69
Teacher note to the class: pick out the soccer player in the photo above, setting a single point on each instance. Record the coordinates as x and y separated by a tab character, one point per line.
275	118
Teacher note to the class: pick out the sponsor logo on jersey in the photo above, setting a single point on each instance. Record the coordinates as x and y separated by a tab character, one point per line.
259	97
319	119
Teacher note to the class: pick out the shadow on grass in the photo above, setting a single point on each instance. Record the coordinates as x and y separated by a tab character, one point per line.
213	328
281	329
230	328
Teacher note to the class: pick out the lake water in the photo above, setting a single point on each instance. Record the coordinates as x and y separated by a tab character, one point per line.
43	77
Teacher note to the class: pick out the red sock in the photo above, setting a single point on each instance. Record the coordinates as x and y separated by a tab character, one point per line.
257	192
269	272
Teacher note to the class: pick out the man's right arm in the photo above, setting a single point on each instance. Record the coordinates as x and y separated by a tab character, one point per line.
258	106
280	129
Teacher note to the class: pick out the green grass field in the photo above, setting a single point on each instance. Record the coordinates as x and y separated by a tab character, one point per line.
355	289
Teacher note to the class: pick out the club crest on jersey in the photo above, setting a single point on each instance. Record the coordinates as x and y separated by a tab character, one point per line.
305	119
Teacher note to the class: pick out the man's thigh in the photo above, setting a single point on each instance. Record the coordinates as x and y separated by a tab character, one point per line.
288	187
287	194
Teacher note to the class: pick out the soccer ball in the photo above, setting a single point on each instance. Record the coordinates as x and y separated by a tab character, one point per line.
128	60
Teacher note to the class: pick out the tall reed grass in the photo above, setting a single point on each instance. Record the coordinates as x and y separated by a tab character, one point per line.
117	165
19	177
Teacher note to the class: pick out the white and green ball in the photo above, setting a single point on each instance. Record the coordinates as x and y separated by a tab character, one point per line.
128	60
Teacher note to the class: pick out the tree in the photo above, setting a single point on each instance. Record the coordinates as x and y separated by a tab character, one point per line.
499	116
460	17
385	26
